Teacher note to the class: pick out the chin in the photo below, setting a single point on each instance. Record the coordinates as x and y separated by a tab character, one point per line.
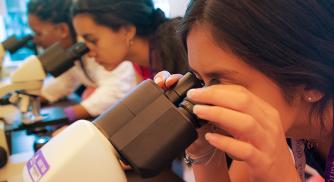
109	67
106	65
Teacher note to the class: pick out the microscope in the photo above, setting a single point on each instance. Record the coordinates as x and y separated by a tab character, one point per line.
146	129
12	44
26	82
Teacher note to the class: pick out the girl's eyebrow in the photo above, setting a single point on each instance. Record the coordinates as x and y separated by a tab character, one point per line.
221	73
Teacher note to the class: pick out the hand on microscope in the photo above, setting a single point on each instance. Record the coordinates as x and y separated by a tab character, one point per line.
200	151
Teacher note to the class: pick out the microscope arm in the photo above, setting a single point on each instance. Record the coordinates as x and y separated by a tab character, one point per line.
28	77
26	86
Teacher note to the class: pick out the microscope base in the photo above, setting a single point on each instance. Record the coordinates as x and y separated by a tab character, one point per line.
53	116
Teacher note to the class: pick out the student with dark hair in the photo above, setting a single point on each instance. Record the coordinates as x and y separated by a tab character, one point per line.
51	22
134	30
269	70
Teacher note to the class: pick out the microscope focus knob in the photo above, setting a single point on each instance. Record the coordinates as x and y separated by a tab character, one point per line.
3	157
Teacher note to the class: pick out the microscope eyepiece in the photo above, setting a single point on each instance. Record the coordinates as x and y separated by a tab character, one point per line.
78	49
178	92
56	60
12	44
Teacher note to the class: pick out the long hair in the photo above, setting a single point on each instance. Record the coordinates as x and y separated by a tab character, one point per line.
118	13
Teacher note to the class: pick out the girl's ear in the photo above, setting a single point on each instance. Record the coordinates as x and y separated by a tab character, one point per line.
63	30
129	32
312	95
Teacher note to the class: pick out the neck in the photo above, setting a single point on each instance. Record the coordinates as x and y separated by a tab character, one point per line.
323	147
312	128
315	131
325	141
139	52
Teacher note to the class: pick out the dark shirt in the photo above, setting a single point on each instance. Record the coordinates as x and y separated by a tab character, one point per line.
314	160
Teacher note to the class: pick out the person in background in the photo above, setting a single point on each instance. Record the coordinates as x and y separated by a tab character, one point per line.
134	30
51	22
268	67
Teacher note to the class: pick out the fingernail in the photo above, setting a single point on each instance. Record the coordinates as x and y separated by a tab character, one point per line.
195	109
210	137
199	110
192	93
158	79
170	78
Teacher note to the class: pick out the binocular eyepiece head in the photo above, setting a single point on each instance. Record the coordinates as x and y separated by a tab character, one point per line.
177	95
150	127
56	60
12	44
179	91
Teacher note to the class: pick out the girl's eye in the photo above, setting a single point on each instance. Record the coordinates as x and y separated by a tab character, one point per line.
93	41
214	81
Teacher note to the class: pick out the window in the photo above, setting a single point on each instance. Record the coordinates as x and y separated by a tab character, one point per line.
15	22
172	8
163	5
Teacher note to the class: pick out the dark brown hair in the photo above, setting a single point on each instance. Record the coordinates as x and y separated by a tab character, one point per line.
292	42
118	13
53	11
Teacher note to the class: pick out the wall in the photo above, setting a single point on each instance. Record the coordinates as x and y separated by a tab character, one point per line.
3	11
178	7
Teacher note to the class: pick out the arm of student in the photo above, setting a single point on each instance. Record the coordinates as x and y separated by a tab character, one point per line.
59	87
112	86
81	112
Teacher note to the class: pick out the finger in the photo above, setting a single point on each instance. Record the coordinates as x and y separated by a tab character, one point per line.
240	125
229	96
238	149
233	97
172	80
160	78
